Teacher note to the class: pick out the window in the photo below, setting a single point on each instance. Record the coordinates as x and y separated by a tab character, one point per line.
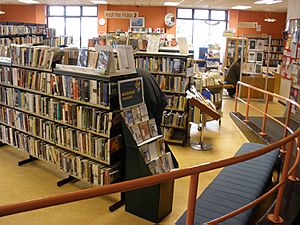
185	13
202	27
80	22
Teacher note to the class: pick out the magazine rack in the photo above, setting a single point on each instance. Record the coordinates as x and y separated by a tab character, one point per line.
155	202
205	110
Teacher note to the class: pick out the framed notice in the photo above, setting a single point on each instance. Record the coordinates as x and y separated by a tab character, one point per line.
137	22
131	92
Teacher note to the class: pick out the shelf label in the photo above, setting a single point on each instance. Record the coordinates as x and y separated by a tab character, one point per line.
120	14
247	24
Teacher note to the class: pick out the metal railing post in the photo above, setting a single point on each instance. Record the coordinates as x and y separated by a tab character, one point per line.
293	176
275	218
236	97
190	215
263	132
287	120
247	106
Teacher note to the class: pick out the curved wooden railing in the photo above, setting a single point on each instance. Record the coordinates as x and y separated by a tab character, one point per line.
287	172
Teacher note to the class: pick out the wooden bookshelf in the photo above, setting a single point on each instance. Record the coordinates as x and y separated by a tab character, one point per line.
233	50
171	73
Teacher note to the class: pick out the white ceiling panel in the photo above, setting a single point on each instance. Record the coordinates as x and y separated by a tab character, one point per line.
218	4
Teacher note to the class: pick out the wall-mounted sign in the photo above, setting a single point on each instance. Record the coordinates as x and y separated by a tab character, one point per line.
120	14
247	24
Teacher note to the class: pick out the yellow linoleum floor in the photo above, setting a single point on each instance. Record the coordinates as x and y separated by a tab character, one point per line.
38	179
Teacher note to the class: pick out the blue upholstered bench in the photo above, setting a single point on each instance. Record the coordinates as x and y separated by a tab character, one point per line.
234	187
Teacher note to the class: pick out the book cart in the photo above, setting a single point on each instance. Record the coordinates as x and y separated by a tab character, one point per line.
146	154
68	118
173	72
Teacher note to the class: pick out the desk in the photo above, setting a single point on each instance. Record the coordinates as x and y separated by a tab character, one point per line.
257	81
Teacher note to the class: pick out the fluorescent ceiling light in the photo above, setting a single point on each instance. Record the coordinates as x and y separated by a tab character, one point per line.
241	7
267	2
29	1
171	3
101	2
270	20
2	12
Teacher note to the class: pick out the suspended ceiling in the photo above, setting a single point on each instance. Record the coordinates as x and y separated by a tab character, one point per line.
217	4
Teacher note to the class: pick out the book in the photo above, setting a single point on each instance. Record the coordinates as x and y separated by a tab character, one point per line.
252	44
103	61
144	112
82	57
136	114
92	59
128	117
146	153
251	57
259	57
125	57
136	133
144	130
152	127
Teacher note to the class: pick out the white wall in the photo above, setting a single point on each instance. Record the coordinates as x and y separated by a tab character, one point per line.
293	11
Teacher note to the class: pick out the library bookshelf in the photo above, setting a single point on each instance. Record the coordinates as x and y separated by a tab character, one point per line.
173	72
69	119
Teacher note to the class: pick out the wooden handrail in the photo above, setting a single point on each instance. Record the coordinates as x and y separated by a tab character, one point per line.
193	171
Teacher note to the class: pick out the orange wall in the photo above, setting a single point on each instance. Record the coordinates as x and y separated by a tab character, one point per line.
275	29
154	17
24	13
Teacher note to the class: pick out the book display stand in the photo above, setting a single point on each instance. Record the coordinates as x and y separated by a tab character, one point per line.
207	109
145	154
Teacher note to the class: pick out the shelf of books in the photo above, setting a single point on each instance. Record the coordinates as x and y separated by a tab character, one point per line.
290	68
20	33
173	72
276	52
233	50
65	118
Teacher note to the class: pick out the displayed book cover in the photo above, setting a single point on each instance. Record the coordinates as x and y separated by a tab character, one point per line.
152	127
144	112
252	44
125	57
258	68
136	133
92	59
260	44
136	114
144	130
128	117
251	57
82	57
259	56
146	153
103	61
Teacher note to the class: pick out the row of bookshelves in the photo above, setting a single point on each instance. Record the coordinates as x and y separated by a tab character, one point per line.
97	93
72	139
173	84
22	40
22	29
163	64
85	118
73	164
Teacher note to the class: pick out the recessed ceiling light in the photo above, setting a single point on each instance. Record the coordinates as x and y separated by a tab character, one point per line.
241	7
267	2
101	2
2	12
29	1
171	3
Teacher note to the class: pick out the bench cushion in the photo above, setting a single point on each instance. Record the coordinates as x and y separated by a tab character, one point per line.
234	187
